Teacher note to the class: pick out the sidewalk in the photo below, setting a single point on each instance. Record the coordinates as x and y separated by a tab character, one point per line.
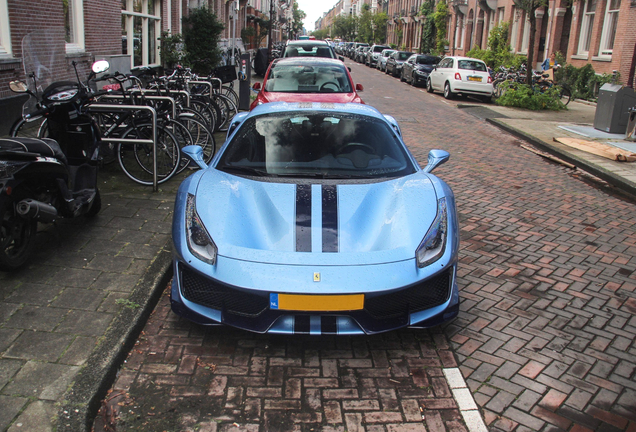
540	129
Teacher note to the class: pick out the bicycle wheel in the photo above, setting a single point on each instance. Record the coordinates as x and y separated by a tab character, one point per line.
208	110
136	160
201	135
230	93
565	94
228	110
37	128
183	136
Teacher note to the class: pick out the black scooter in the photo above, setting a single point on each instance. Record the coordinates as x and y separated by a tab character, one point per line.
42	179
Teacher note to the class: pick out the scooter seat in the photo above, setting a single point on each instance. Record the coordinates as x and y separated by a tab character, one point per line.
46	147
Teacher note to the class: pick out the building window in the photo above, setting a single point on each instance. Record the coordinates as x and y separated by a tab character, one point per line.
525	40
5	30
515	29
140	28
587	25
459	32
609	27
74	25
500	18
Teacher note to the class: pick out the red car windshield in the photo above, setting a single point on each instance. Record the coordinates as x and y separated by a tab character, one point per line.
296	78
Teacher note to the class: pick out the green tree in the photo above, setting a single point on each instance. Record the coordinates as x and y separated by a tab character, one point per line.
170	49
440	17
427	10
380	20
298	17
263	29
530	7
320	34
201	32
345	27
365	27
499	52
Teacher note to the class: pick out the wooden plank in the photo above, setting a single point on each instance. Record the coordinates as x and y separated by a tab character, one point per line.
600	149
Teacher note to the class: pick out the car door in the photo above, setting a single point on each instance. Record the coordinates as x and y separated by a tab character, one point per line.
408	66
439	75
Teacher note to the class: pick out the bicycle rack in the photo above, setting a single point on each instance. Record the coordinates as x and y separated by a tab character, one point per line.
181	92
109	108
152	98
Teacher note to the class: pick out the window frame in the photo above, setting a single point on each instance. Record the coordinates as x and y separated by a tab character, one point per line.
148	19
603	51
587	28
78	45
5	31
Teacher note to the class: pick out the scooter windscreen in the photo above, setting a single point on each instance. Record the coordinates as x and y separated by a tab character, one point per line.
40	56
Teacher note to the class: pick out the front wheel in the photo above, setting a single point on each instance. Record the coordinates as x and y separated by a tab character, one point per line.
17	236
429	86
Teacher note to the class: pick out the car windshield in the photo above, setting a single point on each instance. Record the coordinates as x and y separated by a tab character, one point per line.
471	65
387	53
316	145
379	48
403	55
308	51
426	60
303	78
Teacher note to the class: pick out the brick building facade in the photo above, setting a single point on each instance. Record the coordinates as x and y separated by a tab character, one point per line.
599	32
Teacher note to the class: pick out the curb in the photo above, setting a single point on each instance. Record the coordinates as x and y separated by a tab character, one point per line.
81	402
608	176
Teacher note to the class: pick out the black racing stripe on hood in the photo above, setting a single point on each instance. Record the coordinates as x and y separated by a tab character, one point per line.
303	218
329	218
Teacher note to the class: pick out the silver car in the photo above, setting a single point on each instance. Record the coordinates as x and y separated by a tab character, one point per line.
381	63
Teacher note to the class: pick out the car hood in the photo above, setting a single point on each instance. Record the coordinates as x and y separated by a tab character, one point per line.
310	97
305	223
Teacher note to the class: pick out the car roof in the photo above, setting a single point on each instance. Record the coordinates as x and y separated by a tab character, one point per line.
308	42
309	61
463	58
348	108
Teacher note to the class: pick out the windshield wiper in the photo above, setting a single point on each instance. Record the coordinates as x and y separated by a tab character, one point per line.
238	169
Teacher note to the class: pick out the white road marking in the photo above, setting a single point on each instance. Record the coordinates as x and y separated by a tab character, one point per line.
467	406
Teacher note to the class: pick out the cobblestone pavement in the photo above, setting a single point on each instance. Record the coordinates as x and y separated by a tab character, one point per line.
545	337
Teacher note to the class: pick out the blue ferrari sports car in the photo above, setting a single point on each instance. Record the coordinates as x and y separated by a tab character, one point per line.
314	218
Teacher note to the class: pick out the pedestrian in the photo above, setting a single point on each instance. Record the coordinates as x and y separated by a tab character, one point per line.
549	63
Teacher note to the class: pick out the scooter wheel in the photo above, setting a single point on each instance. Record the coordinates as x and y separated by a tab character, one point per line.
96	207
17	236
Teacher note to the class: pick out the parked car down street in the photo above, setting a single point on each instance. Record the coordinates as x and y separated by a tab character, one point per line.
299	79
395	61
461	75
417	68
384	55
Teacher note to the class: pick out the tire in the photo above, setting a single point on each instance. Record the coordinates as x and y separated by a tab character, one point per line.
17	236
96	206
37	128
136	160
429	86
448	94
566	95
228	111
413	80
200	135
402	79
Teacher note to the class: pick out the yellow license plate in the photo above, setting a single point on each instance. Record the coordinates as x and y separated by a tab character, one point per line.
323	303
474	78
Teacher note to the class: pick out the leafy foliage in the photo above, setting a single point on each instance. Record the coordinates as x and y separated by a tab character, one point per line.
499	52
320	34
427	45
247	34
201	32
524	96
583	81
345	27
298	17
440	17
263	29
170	49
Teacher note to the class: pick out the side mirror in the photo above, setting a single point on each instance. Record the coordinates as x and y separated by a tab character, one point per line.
195	154
435	159
359	87
100	66
341	58
349	68
257	86
18	87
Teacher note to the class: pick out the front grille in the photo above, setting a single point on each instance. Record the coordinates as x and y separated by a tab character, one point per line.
425	295
213	294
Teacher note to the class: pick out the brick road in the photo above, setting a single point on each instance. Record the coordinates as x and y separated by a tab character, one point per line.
545	338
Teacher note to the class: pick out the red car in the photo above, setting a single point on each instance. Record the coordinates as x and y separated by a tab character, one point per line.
302	79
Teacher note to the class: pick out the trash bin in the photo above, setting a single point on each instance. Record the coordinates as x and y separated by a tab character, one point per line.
611	108
630	135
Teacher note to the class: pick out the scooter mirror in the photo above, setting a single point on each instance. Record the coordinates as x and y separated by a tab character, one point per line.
100	66
18	87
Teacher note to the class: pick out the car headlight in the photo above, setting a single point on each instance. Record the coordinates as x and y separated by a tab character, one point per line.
432	247
199	241
421	72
